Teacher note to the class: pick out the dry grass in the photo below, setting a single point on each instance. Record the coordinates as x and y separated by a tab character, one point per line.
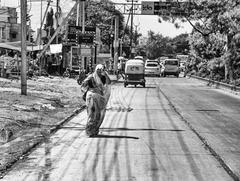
49	100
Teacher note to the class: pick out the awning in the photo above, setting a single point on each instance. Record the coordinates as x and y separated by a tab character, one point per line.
17	46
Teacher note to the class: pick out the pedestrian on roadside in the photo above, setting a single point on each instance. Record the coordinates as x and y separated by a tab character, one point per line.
97	88
120	69
5	65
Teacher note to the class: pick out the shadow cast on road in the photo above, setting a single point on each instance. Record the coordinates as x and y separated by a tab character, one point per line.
123	129
149	87
114	136
138	129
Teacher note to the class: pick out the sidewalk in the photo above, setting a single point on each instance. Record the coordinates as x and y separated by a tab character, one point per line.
26	120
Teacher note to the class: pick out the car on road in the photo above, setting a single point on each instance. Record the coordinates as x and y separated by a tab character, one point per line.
151	60
152	68
138	57
170	67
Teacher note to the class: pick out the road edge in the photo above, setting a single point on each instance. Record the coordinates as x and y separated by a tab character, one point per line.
4	168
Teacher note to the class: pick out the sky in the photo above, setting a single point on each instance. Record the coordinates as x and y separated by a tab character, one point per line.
150	22
143	23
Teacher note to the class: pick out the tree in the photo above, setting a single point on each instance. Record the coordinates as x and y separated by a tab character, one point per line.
181	43
157	45
101	14
217	25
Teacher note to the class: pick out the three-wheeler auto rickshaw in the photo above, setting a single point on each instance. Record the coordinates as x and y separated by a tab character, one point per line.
134	73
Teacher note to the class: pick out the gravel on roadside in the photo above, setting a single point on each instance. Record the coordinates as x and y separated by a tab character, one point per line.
25	120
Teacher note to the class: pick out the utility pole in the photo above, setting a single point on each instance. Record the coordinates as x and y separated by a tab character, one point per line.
78	23
40	40
78	13
23	47
40	31
131	30
57	31
111	42
83	28
57	16
116	42
136	34
120	43
83	16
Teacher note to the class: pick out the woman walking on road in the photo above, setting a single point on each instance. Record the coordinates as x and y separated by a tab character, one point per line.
97	96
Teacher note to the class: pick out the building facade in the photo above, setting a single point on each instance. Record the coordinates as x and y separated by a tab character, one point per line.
10	30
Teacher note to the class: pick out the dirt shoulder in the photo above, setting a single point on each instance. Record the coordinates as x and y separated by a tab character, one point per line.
26	120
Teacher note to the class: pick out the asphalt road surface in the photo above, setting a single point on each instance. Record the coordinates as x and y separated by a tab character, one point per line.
174	129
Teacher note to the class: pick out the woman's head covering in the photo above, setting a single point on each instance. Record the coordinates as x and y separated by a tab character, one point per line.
99	66
96	76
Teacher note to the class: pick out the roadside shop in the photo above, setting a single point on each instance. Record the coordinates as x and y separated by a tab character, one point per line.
10	57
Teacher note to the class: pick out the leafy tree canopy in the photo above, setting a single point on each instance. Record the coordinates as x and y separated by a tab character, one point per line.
157	45
216	30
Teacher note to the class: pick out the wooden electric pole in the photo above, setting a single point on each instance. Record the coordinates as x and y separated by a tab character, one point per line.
116	42
131	28
82	24
57	16
131	31
23	47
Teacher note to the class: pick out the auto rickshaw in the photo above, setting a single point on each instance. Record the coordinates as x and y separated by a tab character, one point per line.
134	73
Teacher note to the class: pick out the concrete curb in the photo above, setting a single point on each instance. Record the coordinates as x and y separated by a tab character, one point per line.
75	112
217	84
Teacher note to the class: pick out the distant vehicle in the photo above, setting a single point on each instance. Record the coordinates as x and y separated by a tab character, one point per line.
182	66
170	67
161	59
134	73
152	68
139	57
182	58
151	60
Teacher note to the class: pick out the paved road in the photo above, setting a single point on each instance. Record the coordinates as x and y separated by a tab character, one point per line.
145	137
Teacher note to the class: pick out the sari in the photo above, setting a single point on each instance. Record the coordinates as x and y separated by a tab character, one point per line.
96	100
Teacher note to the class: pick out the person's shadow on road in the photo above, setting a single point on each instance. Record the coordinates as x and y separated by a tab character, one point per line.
114	136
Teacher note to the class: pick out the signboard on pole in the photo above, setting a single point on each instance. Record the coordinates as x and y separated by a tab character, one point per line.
86	52
56	48
147	7
75	60
166	7
85	39
75	34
